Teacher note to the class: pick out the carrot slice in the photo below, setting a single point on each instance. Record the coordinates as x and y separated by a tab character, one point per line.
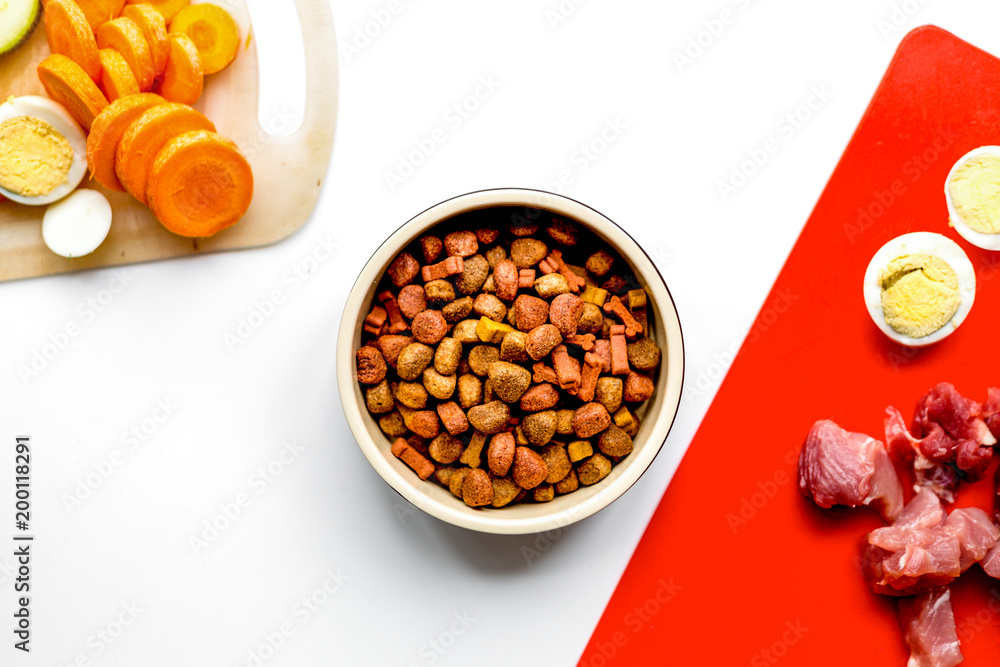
213	31
154	29
107	131
168	8
67	83
124	36
99	12
69	34
146	136
182	80
200	184
117	79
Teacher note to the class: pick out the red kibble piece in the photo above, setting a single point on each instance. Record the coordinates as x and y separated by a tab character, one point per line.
526	278
619	354
602	348
506	280
637	387
500	453
412	300
396	321
461	244
429	327
426	424
565	312
575	282
391	346
588	377
377	317
403	269
583	341
540	397
431	247
371	365
402	450
547	266
530	312
453	417
590	419
487	235
449	267
567	368
632	326
543	373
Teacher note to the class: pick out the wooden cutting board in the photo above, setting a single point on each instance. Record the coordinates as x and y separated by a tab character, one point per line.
288	171
736	568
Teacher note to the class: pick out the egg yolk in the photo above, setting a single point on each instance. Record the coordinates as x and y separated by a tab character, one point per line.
919	294
975	193
34	158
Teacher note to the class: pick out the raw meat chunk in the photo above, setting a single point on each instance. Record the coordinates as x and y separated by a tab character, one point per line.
991	411
838	467
960	417
929	624
975	533
991	561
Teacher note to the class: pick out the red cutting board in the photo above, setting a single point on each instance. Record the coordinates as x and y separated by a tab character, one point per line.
736	568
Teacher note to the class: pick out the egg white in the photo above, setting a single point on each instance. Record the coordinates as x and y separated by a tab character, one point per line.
978	239
929	244
55	115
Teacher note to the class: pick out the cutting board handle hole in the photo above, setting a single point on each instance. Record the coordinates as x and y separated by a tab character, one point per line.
277	34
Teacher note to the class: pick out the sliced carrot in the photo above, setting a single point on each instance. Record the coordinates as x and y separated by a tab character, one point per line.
107	131
99	12
213	31
124	36
182	80
168	8
69	34
146	136
117	79
154	29
67	83
200	184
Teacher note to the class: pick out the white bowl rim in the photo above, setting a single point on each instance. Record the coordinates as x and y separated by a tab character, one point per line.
656	427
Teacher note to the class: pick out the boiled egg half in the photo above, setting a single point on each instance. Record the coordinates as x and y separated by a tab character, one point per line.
919	288
973	195
43	152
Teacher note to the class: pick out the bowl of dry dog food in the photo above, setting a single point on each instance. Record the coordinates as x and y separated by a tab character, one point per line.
510	361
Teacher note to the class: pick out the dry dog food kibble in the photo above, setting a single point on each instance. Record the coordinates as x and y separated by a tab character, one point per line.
506	358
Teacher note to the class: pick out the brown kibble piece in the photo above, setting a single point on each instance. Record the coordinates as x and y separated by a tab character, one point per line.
462	243
477	488
510	381
402	450
504	491
600	263
543	493
590	419
564	421
392	424
495	255
445	448
609	393
371	365
457	480
524	226
530	312
443	476
439	291
473	275
551	285
453	417
525	252
431	247
403	269
513	347
567	484
448	356
489	418
457	310
505	280
638	387
411	300
448	267
558	462
425	423
529	470
593	470
481	357
563	231
378	398
412	395
615	442
540	397
591	320
539	427
472	456
644	354
500	454
441	387
429	327
565	313
542	340
488	305
470	391
412	361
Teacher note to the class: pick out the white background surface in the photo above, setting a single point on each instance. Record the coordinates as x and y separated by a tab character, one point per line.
405	582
